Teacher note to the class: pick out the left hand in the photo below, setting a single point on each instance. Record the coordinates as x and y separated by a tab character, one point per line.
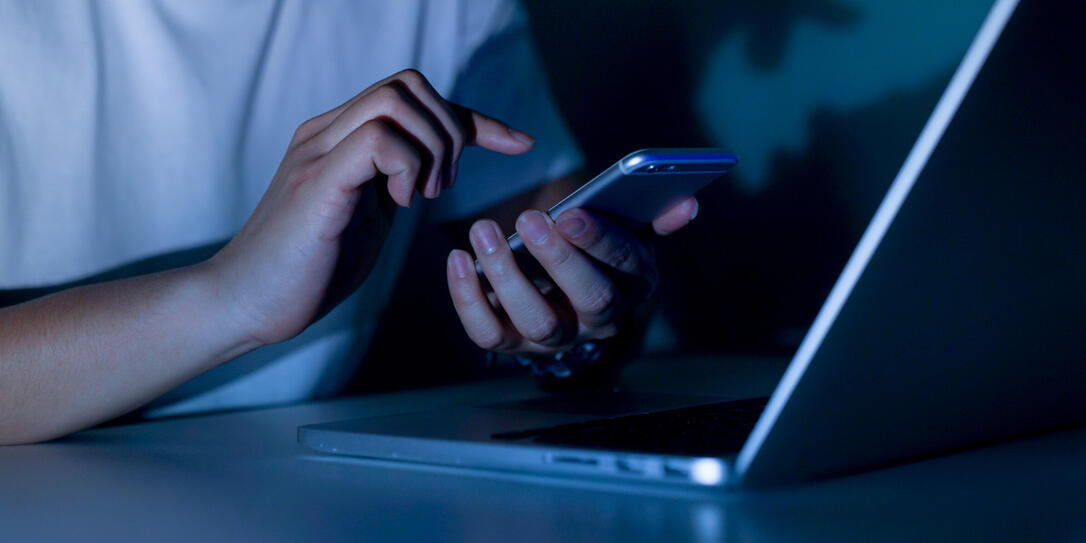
594	273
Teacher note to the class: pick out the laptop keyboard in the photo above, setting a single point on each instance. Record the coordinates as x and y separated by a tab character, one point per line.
704	430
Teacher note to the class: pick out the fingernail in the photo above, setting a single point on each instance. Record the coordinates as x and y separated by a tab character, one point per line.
460	264
533	226
521	136
572	227
486	238
695	212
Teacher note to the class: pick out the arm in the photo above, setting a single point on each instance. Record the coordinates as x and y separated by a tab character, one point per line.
83	356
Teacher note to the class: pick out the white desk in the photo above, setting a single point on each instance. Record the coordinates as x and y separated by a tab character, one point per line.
242	476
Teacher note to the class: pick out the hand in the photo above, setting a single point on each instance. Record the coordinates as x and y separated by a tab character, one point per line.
594	273
316	232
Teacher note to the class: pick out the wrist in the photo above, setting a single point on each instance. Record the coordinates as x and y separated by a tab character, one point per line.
222	317
600	367
591	365
566	363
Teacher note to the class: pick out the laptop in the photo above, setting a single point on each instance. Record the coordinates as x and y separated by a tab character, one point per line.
957	321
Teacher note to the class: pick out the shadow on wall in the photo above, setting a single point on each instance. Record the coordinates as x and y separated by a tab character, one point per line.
821	100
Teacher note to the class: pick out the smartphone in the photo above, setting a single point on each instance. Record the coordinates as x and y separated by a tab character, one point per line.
644	183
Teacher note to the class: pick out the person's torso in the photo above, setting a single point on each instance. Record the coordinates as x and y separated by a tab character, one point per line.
135	129
129	129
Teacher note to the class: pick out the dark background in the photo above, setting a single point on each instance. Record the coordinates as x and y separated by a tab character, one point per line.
821	101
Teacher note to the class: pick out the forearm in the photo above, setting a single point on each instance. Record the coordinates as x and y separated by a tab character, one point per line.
82	356
73	359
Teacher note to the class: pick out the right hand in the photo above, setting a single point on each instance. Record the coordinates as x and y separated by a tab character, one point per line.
316	232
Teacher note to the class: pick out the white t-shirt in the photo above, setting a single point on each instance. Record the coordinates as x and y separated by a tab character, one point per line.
135	129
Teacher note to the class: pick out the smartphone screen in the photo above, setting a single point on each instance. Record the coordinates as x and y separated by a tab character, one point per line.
644	183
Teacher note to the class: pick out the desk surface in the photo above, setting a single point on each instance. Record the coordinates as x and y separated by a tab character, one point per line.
242	476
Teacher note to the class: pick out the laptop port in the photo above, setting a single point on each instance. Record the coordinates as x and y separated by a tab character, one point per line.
576	460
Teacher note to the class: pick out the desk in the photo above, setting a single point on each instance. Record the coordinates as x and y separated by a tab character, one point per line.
242	476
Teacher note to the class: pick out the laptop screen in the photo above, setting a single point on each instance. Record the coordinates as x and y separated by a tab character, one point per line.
958	319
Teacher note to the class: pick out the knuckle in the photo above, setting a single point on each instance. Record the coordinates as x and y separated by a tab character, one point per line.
439	155
372	132
497	268
621	256
467	303
458	139
338	205
401	161
561	256
304	131
489	339
454	156
544	330
457	135
313	146
599	301
411	76
592	235
461	292
412	165
385	96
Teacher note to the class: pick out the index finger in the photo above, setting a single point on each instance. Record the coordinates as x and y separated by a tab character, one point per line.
490	133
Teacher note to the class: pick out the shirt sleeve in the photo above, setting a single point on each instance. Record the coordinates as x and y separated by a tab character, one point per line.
504	79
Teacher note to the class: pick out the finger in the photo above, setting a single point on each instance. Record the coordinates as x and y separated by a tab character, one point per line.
375	147
311	127
317	124
492	134
606	242
396	106
476	313
424	92
464	125
530	313
676	217
589	291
